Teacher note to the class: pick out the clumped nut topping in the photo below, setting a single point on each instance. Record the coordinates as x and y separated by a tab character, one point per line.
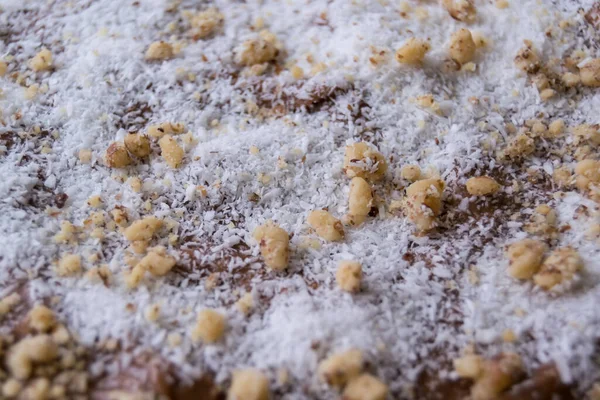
41	318
171	151
561	266
482	186
69	265
590	73
249	384
527	59
587	173
42	61
210	326
205	23
117	156
461	10
143	229
469	366
258	50
462	46
586	133
157	261
525	258
360	201
496	376
412	51
29	351
165	128
519	146
159	51
362	160
365	387
8	303
326	225
411	173
341	367
349	275
137	144
423	202
274	245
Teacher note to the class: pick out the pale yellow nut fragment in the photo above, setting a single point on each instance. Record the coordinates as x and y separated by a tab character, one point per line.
362	160
85	156
38	389
349	276
41	318
423	202
587	173
8	303
119	215
339	368
256	51
482	186
461	10
326	225
137	144
171	151
525	258
570	79
11	388
274	245
527	58
174	339
157	262
143	229
67	232
210	326
3	68
586	132
468	366
365	387
413	51
117	155
27	352
360	201
502	4
159	51
42	61
205	23
547	94
410	172
152	312
462	46
561	266
165	128
590	73
496	376
69	265
134	278
297	72
245	304
556	128
249	384
520	146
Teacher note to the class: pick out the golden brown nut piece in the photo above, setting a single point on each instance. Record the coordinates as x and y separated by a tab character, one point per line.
462	10
423	202
274	245
525	258
326	225
362	160
413	51
117	155
561	266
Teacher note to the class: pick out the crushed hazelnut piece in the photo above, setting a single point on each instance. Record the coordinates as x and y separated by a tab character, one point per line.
527	59
520	146
482	186
117	156
274	245
570	79
174	339
586	132
210	326
461	10
340	368
297	72
119	215
361	160
159	51
69	265
556	127
171	151
205	23
468	366
496	376
85	156
254	150
360	201
152	312
257	51
157	262
326	225
502	4
410	172
30	350
11	388
349	275
8	303
143	229
587	173
412	51
525	258
462	46
245	304
42	61
3	68
562	176
547	94
590	73
561	266
137	144
423	202
248	384
41	318
365	387
509	336
165	128
95	201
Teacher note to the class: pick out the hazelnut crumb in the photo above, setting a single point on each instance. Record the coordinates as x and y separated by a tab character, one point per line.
365	387
482	186
85	156
117	156
462	46
360	201
152	312
41	318
245	304
423	202
258	50
590	73
137	144
174	339
210	326
349	275
561	266
249	384
165	128
461	10
42	61
340	368
468	366
159	51
525	258
326	225
362	160
171	151
8	303
497	375
157	262
95	201
509	336
410	172
143	229
412	51
69	265
274	243
527	58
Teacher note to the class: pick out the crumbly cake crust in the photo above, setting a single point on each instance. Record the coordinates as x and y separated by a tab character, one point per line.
300	199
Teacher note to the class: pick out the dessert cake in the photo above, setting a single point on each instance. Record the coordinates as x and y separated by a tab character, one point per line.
284	199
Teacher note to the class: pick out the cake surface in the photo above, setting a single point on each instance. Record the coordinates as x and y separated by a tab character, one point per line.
299	199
